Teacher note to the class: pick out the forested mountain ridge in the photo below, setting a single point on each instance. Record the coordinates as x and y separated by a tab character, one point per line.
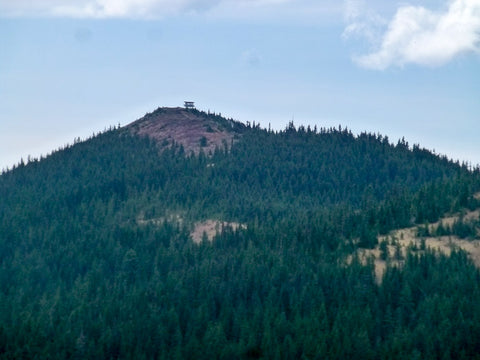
97	261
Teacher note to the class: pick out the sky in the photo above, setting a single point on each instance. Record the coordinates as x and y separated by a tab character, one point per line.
71	68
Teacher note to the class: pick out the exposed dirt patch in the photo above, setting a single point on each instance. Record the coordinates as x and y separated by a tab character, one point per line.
210	228
450	220
193	129
403	240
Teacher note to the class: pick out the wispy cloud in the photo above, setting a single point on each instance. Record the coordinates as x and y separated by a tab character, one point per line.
362	21
417	35
114	8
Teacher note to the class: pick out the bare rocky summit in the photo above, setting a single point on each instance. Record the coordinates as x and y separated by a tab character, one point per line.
193	129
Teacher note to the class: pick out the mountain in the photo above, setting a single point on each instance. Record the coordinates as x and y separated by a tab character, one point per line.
192	129
188	235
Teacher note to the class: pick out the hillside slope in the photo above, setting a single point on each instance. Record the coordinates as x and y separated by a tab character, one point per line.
193	129
97	259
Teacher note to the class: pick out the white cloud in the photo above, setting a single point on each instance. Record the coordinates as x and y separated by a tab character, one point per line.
353	9
115	8
362	22
417	35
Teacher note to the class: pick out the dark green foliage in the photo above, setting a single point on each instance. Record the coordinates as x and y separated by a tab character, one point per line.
464	228
384	250
94	262
424	230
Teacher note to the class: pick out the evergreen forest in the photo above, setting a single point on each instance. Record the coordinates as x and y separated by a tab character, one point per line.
97	259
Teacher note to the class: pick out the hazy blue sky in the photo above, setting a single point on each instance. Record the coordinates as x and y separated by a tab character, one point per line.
72	67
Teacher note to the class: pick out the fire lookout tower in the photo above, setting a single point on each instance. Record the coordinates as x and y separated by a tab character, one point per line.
189	105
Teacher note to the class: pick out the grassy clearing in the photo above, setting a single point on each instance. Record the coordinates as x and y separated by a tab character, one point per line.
393	248
210	228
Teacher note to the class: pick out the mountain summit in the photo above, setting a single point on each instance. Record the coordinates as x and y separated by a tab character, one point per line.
295	244
193	129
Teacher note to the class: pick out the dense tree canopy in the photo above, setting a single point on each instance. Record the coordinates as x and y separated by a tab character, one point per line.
96	258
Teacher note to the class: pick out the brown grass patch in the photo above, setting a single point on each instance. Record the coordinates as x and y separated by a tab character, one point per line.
407	238
195	131
211	228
